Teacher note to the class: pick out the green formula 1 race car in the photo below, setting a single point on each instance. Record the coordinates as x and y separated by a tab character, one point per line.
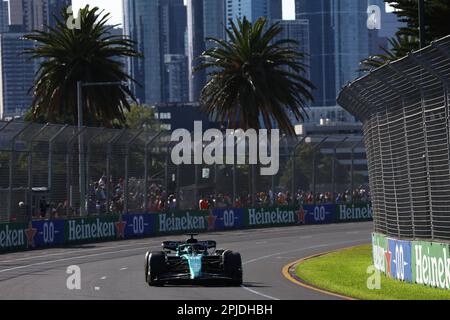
192	262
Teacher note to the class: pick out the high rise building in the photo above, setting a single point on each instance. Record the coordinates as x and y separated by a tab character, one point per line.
214	20
196	45
176	78
158	28
141	23
35	14
16	75
276	9
4	16
342	39
319	14
55	8
297	30
253	9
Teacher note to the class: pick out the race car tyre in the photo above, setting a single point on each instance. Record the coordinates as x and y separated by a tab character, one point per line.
232	264
155	267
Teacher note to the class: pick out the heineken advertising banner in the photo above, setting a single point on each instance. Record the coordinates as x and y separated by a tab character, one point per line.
48	233
94	229
183	221
319	214
421	262
354	212
431	264
379	249
272	217
228	219
16	236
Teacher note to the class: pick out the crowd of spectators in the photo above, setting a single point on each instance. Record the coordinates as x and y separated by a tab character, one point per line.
158	199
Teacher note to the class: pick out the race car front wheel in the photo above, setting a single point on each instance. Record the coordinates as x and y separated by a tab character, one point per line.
155	267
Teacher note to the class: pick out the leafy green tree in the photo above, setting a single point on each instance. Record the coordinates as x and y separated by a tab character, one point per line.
140	116
255	80
88	54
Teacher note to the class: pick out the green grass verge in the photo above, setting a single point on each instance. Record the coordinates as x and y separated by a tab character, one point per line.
344	272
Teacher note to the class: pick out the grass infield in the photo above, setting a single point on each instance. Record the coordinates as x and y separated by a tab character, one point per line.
344	272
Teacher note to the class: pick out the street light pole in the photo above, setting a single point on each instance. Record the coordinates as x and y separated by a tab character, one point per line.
81	158
81	164
422	23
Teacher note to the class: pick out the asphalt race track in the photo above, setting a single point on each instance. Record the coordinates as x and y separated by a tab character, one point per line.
115	270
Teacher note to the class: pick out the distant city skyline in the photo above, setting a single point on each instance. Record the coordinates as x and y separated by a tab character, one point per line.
116	10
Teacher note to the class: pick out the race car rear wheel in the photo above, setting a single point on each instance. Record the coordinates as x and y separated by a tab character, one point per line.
232	265
155	267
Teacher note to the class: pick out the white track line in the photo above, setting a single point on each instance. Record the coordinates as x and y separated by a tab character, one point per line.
290	251
72	258
67	251
259	293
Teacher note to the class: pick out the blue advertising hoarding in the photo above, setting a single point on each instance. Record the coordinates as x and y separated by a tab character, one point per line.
137	225
318	214
48	233
228	218
398	258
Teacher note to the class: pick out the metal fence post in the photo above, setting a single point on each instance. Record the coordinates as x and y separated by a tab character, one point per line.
88	161
127	159
333	168
196	195
30	169
294	157
316	149
11	164
113	140
69	188
253	184
234	184
50	156
146	169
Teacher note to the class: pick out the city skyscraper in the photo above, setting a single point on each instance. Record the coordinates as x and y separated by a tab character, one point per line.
4	16
195	47
297	30
214	20
158	28
342	39
16	75
253	9
319	14
34	14
176	78
276	9
141	23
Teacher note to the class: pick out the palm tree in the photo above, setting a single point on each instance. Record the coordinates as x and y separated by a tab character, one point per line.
255	80
399	46
88	54
437	17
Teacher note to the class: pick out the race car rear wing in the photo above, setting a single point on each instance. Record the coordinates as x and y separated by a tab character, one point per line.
173	245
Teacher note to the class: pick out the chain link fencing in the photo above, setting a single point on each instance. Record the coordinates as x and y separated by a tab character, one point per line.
404	107
131	171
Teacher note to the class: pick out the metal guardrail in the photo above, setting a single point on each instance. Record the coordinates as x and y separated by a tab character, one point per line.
404	107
